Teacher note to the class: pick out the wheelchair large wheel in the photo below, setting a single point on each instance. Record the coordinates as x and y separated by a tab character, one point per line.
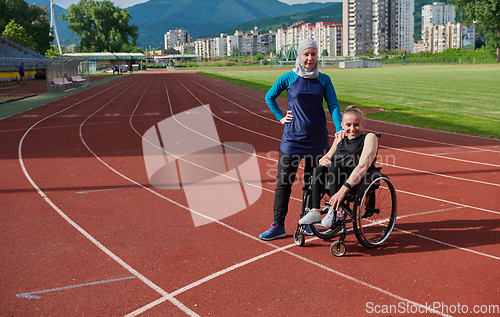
375	211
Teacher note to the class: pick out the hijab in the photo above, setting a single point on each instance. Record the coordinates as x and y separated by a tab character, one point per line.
300	69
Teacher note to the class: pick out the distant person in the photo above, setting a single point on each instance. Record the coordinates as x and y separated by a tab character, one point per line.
21	74
305	135
121	69
113	68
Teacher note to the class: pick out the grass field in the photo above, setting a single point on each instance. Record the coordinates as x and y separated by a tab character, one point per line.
464	99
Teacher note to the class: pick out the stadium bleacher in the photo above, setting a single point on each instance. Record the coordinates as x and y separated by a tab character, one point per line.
13	54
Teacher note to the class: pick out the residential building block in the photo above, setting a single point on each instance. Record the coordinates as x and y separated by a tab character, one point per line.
377	25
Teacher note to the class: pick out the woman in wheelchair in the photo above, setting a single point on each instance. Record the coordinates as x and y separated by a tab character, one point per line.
342	167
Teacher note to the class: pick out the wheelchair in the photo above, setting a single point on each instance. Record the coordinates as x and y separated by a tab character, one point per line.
370	205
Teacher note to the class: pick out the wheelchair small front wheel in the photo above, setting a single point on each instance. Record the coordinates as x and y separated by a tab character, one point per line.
298	238
338	248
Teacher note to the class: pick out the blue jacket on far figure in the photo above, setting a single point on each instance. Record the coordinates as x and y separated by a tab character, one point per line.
307	133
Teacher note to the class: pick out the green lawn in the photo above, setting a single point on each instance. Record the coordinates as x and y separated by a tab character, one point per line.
463	99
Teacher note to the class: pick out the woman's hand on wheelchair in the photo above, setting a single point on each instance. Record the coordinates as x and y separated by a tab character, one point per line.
338	197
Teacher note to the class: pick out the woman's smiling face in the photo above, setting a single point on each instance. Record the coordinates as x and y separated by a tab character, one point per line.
309	57
353	125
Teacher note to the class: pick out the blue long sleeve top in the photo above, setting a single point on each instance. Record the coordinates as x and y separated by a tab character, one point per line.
307	133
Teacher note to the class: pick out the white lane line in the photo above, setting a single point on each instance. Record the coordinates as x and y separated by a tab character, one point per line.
440	156
448	201
147	307
430	212
32	294
439	174
80	229
444	132
461	152
86	192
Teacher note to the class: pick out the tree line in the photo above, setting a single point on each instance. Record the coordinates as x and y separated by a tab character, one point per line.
101	26
24	25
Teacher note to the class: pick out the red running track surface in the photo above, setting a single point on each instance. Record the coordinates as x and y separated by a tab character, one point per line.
84	233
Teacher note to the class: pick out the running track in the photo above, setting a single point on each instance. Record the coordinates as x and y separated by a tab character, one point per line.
83	232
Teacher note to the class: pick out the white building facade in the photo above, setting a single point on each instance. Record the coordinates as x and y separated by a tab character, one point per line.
439	30
178	37
328	36
438	38
202	47
238	44
437	13
377	25
406	25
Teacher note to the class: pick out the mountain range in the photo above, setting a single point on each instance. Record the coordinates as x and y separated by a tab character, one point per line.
155	17
331	13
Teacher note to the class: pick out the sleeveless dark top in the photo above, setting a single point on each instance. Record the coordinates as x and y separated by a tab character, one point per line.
348	152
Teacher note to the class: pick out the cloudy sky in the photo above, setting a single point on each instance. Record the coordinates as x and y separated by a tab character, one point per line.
127	3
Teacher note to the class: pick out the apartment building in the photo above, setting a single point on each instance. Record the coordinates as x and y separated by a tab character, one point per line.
178	37
266	43
306	31
328	36
450	35
202	47
437	13
280	39
288	36
439	30
378	25
220	45
292	33
405	25
418	47
239	44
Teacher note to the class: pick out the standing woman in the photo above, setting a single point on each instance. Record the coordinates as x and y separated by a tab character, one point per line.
305	135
